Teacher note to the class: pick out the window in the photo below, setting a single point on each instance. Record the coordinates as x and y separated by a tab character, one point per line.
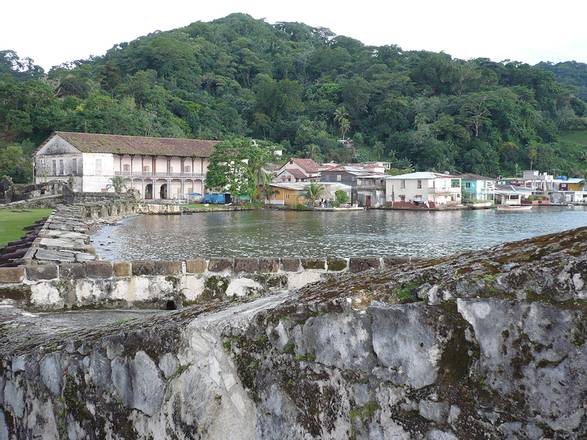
126	168
61	170
338	177
54	167
402	184
419	184
74	166
146	168
467	184
402	198
98	166
455	183
187	169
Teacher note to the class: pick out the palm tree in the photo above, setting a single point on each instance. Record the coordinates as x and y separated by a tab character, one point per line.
313	152
118	183
532	156
341	117
313	192
265	183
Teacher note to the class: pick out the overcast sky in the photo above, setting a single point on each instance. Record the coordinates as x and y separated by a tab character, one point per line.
56	31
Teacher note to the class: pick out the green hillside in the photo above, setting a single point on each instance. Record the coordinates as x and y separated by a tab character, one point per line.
303	87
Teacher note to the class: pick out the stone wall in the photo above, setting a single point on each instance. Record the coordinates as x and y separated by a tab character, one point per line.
168	284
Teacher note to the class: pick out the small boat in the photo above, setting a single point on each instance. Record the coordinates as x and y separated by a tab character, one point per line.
514	208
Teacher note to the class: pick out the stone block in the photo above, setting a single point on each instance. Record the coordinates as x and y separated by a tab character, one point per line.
99	269
267	265
289	264
41	272
72	271
167	268
391	262
143	267
336	264
196	266
248	265
360	264
11	274
121	269
220	264
313	263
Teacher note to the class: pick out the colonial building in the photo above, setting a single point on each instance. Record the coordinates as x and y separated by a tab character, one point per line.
158	168
423	188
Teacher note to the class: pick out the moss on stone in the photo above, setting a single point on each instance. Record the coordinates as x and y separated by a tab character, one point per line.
364	412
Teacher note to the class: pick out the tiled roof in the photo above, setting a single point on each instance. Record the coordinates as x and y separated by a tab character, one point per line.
120	144
308	165
298	174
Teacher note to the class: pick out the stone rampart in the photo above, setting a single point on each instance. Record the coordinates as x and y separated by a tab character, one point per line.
168	284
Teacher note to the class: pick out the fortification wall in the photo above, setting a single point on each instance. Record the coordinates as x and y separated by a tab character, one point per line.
168	284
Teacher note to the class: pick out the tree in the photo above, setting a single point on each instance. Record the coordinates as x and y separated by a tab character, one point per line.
378	150
118	183
267	191
532	155
237	165
340	197
313	152
341	117
313	192
15	165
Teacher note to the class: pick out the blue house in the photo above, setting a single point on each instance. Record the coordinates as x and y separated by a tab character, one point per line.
476	188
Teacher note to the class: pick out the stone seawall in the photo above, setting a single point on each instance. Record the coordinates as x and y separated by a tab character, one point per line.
168	284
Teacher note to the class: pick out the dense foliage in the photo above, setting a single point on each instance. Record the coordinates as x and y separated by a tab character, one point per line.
570	73
306	89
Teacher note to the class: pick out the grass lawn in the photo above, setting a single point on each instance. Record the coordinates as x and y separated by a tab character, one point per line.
13	222
575	136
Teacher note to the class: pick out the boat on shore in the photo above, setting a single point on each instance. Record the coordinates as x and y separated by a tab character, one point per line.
514	208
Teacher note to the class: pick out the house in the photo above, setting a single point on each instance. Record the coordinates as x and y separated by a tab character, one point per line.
367	188
294	193
532	179
428	189
511	194
158	168
568	190
476	188
298	170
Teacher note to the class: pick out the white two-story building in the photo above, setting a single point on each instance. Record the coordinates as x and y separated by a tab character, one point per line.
158	168
428	188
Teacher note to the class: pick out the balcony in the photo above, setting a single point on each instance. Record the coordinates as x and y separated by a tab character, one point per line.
151	175
455	190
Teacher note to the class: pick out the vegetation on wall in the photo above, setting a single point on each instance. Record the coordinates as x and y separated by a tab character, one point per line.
306	89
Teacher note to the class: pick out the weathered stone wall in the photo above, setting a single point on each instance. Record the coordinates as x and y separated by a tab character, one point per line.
483	345
159	284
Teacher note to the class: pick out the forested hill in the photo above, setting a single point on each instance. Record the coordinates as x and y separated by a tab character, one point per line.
303	87
571	73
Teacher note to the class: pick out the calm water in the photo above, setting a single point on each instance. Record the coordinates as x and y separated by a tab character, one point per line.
289	233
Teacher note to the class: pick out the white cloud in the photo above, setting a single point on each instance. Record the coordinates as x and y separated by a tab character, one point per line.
526	30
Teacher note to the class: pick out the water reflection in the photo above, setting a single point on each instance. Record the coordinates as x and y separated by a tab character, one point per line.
275	233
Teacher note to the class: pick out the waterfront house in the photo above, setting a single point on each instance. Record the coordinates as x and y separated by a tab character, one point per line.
158	168
298	170
367	188
292	194
423	189
512	194
476	188
568	190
